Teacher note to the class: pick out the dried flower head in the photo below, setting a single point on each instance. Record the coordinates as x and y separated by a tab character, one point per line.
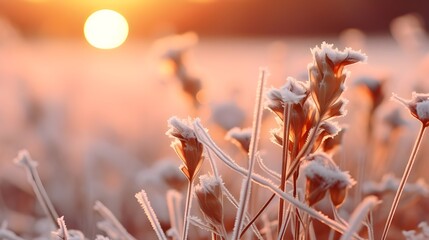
418	106
209	196
327	75
186	145
302	119
240	137
322	175
292	92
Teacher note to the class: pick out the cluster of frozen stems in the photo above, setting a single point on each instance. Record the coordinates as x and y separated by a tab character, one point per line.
305	112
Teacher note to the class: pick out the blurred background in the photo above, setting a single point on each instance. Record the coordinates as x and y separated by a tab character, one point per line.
50	18
94	113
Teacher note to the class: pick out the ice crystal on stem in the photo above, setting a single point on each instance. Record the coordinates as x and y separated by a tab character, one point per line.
190	151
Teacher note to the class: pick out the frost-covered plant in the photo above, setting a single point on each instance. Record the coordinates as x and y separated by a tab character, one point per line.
153	219
324	175
306	132
240	137
24	159
210	199
418	106
327	76
306	122
64	234
420	234
190	151
110	224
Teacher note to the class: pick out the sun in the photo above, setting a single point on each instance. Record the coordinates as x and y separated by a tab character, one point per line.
106	29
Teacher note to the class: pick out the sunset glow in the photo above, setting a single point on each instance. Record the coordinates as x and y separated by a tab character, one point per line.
106	29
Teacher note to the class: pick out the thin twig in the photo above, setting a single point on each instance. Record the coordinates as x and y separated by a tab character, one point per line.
174	203
285	223
257	215
305	150
110	217
234	202
187	211
153	219
256	128
266	169
63	229
24	159
285	154
405	176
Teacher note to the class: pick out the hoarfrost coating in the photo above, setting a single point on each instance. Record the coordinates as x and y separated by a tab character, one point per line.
418	106
345	57
321	164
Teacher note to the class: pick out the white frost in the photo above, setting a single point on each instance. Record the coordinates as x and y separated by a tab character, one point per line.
321	165
337	56
181	127
422	109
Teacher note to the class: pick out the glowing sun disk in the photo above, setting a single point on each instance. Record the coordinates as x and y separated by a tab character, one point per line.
106	29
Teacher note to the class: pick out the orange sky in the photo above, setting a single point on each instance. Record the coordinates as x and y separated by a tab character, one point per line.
65	18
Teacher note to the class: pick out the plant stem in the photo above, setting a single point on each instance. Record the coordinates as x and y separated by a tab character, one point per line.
247	217
405	176
257	215
370	227
257	118
24	159
305	150
114	222
204	138
284	225
187	211
286	128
